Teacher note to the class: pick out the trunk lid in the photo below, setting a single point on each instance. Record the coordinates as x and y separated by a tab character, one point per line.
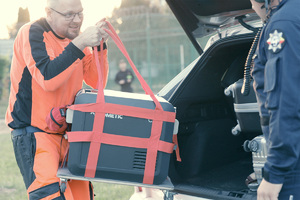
199	18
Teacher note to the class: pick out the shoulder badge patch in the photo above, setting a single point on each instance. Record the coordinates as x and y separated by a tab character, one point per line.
276	41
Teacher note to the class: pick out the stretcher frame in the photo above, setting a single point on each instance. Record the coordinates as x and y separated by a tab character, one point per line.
64	175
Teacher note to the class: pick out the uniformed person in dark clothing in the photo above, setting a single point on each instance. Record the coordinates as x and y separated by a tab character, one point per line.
124	77
276	75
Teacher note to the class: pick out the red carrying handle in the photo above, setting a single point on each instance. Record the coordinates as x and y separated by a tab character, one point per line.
112	33
100	95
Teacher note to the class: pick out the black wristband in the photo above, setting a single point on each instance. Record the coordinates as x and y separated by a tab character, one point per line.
98	47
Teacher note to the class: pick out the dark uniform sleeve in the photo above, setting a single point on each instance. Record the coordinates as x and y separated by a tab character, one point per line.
258	85
282	86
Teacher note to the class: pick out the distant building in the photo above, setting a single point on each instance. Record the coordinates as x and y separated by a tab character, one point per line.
6	47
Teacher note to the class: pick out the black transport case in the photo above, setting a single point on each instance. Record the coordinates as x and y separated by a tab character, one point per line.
245	107
117	162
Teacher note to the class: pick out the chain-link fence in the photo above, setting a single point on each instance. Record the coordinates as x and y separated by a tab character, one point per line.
155	42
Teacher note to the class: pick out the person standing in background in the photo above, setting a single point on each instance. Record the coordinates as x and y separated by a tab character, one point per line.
124	77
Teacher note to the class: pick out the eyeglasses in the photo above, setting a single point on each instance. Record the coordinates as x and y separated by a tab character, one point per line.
70	16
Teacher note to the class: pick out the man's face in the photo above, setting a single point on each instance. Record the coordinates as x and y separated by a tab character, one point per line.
63	27
259	9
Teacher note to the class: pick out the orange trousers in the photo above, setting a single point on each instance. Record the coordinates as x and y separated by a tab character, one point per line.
39	156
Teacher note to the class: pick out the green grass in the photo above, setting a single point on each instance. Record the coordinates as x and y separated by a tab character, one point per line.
11	183
13	188
3	106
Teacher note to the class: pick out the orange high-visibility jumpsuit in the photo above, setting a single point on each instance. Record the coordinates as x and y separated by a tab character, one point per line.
46	71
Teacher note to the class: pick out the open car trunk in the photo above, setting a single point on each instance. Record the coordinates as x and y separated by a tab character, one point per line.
214	164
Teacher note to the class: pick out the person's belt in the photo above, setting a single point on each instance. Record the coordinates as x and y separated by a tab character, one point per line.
27	129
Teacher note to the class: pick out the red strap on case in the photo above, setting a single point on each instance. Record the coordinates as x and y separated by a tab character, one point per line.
96	137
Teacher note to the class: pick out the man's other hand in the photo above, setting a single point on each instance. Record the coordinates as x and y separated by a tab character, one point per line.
268	191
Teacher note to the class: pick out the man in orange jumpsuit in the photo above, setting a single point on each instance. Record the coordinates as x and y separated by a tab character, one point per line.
51	60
